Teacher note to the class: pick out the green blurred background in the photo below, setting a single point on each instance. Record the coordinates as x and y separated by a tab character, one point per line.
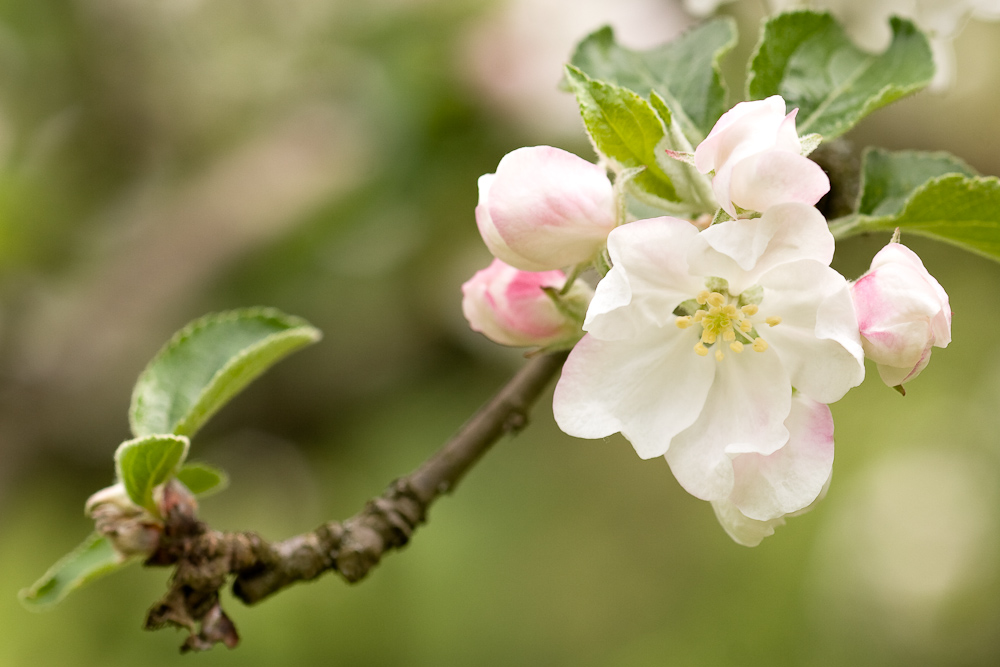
160	159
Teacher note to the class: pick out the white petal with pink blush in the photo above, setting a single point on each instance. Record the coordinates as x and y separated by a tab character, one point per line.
755	154
902	313
511	307
545	209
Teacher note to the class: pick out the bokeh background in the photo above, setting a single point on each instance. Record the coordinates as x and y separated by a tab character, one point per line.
160	159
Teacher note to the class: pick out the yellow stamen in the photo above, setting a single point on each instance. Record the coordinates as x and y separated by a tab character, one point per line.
722	319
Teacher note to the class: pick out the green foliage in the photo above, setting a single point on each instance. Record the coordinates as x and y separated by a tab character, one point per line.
624	129
147	462
888	178
807	59
629	133
207	363
684	72
933	194
202	479
94	558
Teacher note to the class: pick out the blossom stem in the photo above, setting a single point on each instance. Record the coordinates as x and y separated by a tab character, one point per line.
847	226
204	558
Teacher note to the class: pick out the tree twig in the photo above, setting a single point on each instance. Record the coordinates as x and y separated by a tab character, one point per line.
204	559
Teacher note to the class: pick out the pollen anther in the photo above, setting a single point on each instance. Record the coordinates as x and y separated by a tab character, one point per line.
722	319
716	299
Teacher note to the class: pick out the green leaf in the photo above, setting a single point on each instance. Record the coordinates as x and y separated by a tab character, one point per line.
958	209
147	462
208	362
888	178
202	479
627	131
807	59
684	72
94	558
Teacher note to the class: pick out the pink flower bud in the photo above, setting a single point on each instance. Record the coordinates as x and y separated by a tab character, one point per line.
510	307
757	158
902	313
545	209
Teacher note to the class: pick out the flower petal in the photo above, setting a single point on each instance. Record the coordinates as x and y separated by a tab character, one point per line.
744	412
790	479
551	208
745	129
773	177
742	250
649	278
649	388
744	530
817	340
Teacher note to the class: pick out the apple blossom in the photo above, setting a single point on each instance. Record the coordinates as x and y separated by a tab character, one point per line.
695	340
545	209
757	159
766	489
511	307
902	312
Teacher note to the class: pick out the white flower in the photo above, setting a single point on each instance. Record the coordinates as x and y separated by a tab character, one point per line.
902	312
757	158
509	306
766	489
695	340
545	209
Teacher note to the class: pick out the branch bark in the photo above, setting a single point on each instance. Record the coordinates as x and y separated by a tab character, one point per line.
204	559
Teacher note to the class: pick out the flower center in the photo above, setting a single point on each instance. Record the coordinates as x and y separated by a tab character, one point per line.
722	318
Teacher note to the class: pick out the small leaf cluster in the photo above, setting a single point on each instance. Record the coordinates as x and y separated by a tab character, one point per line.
195	374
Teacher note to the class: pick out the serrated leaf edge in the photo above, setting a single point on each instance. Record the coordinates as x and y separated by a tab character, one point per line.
939	155
874	101
138	441
295	323
307	334
25	594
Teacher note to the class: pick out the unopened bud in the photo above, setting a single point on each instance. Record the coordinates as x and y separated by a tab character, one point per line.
512	307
